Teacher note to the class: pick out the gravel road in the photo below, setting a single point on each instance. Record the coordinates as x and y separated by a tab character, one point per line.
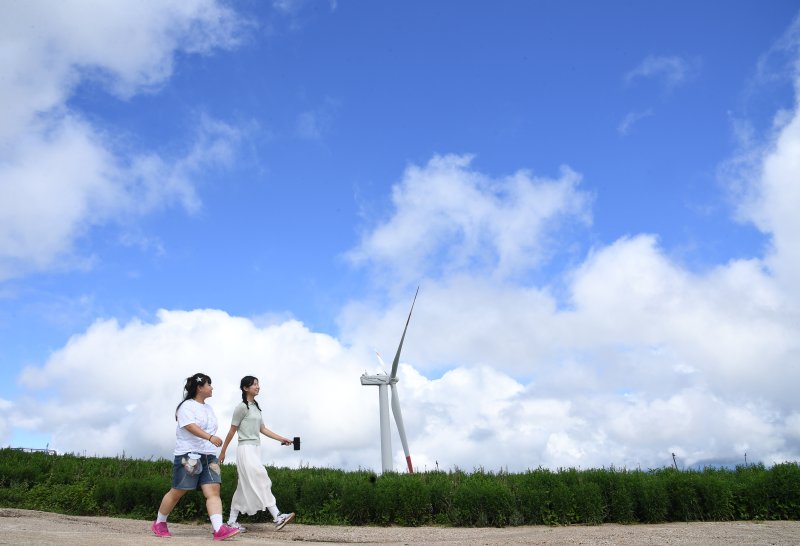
31	527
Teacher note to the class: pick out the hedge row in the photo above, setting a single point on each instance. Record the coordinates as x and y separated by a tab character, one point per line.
133	488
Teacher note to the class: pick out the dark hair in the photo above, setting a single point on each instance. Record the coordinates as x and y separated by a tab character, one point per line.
246	382
190	388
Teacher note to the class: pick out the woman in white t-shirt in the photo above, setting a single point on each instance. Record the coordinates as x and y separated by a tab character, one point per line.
195	461
254	488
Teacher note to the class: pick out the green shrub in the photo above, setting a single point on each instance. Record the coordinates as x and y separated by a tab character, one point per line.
133	488
563	504
652	497
783	485
414	508
619	493
532	493
284	488
715	496
402	499
684	501
387	498
440	494
482	501
750	493
359	499
76	498
130	496
18	467
319	496
13	495
589	504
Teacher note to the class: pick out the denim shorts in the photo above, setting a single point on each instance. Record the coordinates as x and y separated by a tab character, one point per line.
181	479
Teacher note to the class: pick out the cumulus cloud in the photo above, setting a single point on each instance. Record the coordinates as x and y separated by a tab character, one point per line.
64	179
642	357
577	411
646	360
59	174
634	359
449	217
763	174
128	47
135	373
772	197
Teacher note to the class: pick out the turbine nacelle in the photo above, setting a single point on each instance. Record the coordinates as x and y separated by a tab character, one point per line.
380	379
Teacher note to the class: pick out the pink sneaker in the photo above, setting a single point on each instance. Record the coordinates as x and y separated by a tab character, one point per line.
225	532
160	529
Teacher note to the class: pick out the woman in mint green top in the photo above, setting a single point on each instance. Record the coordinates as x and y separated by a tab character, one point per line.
254	488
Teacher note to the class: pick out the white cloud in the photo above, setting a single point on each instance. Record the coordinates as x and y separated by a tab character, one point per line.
719	324
469	417
634	359
774	198
60	176
781	60
630	119
128	46
764	176
449	218
63	180
135	372
649	360
642	359
287	6
315	124
672	70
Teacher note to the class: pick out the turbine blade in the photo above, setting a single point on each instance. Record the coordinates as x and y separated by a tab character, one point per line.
398	419
400	347
380	361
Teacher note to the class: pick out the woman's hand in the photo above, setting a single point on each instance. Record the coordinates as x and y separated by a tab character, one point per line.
221	457
195	429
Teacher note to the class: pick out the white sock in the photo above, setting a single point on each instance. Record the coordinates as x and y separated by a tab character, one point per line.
274	511
161	518
216	521
233	517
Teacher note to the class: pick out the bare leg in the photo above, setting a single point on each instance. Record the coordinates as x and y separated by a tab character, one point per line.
170	500
213	500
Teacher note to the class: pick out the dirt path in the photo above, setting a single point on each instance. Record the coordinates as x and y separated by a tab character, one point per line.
31	527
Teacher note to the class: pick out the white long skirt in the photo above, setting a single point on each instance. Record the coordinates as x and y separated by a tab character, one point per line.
254	489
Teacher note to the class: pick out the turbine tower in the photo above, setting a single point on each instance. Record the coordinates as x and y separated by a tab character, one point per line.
384	382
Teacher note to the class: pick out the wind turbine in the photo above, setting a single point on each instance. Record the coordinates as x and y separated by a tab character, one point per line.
383	382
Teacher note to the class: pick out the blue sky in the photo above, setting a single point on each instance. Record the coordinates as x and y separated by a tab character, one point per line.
595	199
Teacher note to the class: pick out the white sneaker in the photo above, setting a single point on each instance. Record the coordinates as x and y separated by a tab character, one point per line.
237	525
282	520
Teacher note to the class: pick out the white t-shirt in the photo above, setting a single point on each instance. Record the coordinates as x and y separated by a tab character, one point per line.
202	415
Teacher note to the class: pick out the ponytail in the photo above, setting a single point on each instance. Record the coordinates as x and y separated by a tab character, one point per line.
247	381
190	388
